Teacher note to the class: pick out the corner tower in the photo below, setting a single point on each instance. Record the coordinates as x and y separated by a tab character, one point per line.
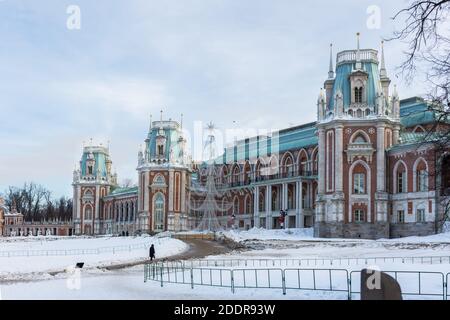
357	122
164	179
91	182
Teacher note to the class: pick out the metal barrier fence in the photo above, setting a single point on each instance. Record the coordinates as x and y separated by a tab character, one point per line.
70	252
307	262
413	283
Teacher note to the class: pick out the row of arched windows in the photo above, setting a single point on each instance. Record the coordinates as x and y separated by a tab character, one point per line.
288	166
420	176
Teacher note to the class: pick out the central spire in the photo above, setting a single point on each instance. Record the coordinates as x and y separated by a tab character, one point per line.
331	69
383	72
358	52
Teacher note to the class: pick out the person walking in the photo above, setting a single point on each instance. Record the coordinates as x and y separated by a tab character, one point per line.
152	252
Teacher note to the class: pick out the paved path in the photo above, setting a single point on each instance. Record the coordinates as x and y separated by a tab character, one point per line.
197	249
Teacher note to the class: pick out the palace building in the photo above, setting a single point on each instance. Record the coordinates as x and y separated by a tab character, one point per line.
364	169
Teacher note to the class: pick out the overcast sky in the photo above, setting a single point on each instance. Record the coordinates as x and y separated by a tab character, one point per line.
257	62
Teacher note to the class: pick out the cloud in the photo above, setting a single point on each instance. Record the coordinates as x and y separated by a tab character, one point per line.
134	96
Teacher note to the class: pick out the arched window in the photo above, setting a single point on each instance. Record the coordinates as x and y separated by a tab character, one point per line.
400	176
224	174
419	129
236	173
236	205
248	205
258	171
420	176
303	163
160	150
158	205
358	95
359	183
288	166
88	213
247	173
290	199
262	202
159	180
275	201
359	139
446	175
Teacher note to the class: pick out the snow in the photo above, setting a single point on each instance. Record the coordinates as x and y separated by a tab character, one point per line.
128	284
38	266
280	245
264	234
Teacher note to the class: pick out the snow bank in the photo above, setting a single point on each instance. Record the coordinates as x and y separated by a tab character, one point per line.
17	267
276	234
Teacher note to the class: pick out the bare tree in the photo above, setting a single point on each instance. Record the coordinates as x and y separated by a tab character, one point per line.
35	202
127	183
427	31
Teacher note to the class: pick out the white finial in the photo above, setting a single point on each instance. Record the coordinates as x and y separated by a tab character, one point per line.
181	122
150	126
161	115
331	69
383	72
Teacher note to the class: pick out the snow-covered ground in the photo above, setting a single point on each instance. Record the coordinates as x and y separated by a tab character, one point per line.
267	244
308	235
37	266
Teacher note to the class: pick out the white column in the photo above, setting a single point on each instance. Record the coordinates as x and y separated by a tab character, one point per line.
321	161
269	207
284	195
299	202
338	170
256	207
380	159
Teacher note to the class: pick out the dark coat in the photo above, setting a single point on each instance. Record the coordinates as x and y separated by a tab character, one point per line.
152	251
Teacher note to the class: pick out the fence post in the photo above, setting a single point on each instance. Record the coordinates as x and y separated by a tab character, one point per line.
192	278
145	273
283	281
445	287
162	281
232	281
349	281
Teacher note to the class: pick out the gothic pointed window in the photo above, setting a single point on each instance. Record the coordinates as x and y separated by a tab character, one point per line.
359	182
159	212
358	95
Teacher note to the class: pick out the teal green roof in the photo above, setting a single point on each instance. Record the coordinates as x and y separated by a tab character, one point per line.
281	141
416	111
123	191
342	83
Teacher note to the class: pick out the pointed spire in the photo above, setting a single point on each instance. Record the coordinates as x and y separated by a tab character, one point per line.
383	72
358	53
181	122
150	126
161	116
331	69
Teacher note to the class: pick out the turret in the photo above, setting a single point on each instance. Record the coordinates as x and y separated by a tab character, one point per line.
384	79
321	106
